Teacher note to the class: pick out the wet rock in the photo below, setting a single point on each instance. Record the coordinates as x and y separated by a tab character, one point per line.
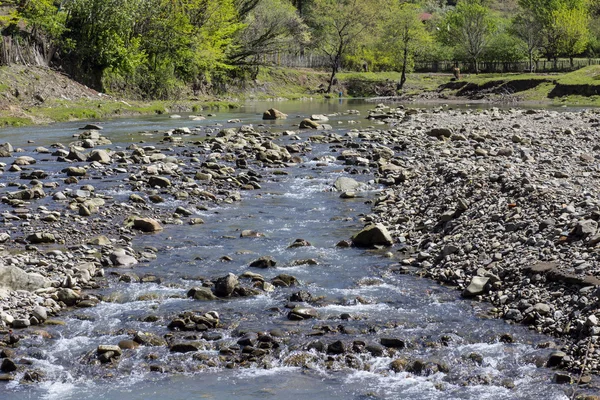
393	343
345	184
68	296
186	347
159	181
225	286
272	113
372	235
120	258
127	344
399	365
302	313
75	171
100	156
336	347
263	262
309	124
8	366
21	323
562	378
147	225
555	359
41	237
476	287
201	294
247	233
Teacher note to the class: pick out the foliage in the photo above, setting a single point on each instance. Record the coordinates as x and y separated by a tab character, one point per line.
468	28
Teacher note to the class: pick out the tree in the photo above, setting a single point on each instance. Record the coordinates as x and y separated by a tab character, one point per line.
564	25
529	29
405	34
571	25
469	27
339	25
273	26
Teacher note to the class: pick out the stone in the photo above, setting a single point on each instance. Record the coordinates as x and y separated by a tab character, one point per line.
555	359
41	237
68	296
127	344
272	113
159	181
119	258
308	124
201	294
336	347
40	313
476	287
184	347
373	235
8	366
392	342
263	262
147	225
345	184
440	133
225	286
100	156
302	313
14	278
75	171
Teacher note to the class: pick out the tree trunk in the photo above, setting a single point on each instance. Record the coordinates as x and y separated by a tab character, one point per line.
403	75
476	66
334	70
531	62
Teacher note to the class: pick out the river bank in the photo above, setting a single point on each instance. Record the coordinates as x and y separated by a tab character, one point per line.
34	96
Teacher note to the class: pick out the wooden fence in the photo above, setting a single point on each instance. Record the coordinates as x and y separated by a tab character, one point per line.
561	65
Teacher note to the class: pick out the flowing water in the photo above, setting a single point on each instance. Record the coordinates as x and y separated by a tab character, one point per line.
353	281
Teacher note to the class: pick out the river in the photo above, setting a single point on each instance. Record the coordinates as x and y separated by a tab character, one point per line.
477	364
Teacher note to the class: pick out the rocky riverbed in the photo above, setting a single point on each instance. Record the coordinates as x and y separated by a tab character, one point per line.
501	204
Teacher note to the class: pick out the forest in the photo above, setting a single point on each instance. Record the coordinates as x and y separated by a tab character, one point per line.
151	49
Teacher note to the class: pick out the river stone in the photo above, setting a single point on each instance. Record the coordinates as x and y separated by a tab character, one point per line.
99	240
40	313
75	171
308	124
272	113
345	184
104	348
14	278
21	323
201	293
263	262
8	365
301	313
225	286
68	296
372	235
319	117
41	237
585	228
393	343
440	133
184	347
147	225
119	258
555	359
336	347
100	156
476	287
159	181
127	344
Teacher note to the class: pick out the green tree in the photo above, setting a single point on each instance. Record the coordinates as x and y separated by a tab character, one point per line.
469	28
564	25
572	30
272	26
339	26
405	35
527	27
101	36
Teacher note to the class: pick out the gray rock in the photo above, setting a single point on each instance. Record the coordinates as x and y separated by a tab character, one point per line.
119	258
201	294
476	287
14	278
373	235
345	184
225	286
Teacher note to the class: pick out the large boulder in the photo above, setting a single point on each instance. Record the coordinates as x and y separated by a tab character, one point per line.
309	124
14	278
148	225
225	286
345	184
476	287
373	235
274	114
